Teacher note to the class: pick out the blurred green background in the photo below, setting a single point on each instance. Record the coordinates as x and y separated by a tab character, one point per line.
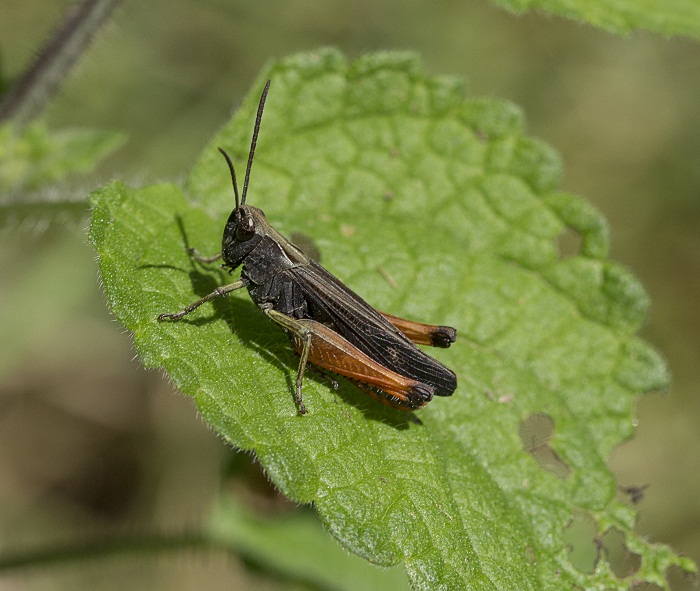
90	441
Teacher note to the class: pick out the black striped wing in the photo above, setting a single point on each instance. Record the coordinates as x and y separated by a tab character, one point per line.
332	303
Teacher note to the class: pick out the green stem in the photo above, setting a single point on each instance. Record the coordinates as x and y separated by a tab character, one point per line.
147	544
21	212
30	95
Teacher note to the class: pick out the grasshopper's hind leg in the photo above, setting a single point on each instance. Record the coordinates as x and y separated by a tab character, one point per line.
301	335
319	345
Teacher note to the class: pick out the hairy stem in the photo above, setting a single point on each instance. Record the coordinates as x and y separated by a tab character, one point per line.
147	544
34	89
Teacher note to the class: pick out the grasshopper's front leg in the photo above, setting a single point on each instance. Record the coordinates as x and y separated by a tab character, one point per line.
218	292
199	257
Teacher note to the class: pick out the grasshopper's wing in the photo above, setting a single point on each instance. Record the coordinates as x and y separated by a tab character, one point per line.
334	305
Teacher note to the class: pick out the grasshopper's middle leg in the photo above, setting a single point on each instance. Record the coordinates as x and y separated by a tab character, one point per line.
303	334
219	291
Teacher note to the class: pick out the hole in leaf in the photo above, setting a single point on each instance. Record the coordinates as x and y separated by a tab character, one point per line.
306	245
584	548
622	562
536	430
569	243
680	579
535	433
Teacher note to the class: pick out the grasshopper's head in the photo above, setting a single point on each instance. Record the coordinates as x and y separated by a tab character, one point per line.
246	225
245	228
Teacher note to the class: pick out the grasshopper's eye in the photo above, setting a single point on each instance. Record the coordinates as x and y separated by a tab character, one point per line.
245	229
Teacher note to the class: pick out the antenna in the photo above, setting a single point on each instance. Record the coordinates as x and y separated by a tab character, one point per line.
256	129
233	173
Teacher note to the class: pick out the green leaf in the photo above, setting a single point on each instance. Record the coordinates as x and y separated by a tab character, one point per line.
668	17
435	208
35	157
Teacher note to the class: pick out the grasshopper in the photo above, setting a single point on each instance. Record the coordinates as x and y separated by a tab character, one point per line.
329	325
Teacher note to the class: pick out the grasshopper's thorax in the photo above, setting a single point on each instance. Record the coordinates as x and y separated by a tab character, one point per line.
247	234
